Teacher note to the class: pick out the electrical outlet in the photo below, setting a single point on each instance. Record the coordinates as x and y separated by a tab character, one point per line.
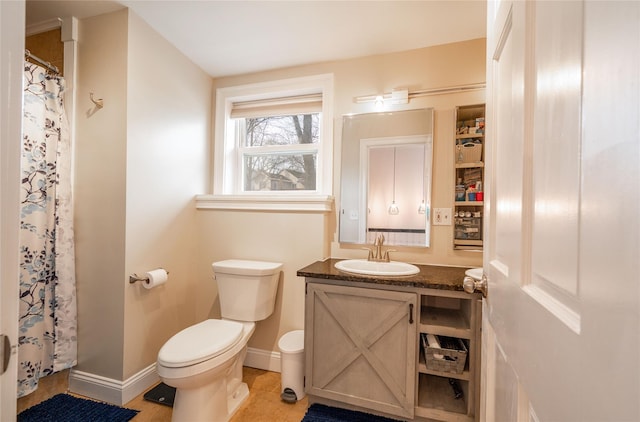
442	216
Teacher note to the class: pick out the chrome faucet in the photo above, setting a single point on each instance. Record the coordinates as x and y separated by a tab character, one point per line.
377	254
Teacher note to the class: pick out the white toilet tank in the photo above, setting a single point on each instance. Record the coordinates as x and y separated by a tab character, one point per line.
247	289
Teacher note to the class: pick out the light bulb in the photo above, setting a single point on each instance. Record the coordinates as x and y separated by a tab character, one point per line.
393	208
422	209
379	103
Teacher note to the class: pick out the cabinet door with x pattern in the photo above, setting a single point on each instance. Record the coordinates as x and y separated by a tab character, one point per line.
361	347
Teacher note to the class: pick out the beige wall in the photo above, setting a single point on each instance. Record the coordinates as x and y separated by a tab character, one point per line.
143	157
140	161
298	239
100	192
168	133
294	239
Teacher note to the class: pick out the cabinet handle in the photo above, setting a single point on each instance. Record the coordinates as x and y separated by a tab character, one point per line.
411	313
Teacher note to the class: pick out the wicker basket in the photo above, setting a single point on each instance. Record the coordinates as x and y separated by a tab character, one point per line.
454	356
469	153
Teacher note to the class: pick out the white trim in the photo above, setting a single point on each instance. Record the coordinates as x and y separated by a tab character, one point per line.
45	26
309	203
110	390
560	310
225	165
500	266
266	360
121	392
69	36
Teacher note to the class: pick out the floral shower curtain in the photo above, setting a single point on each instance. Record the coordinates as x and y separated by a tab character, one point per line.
47	331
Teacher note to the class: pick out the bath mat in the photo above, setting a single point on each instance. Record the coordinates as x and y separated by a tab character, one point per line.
161	394
321	413
67	408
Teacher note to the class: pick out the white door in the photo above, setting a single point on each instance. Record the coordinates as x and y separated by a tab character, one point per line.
12	15
561	330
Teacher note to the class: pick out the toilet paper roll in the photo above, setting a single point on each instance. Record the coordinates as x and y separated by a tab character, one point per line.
155	278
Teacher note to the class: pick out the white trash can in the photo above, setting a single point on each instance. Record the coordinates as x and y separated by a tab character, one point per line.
291	347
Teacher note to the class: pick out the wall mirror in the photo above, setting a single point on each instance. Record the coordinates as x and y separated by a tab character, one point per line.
386	177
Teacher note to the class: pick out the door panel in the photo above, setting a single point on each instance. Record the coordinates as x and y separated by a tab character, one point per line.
557	38
507	150
561	324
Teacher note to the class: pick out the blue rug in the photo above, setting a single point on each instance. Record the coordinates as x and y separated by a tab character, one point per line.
67	408
321	413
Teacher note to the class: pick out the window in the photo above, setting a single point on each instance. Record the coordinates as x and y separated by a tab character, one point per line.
274	145
278	153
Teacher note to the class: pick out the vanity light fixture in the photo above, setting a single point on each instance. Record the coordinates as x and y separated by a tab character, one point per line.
393	208
402	96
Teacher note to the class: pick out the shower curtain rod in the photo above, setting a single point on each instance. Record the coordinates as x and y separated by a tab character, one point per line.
46	64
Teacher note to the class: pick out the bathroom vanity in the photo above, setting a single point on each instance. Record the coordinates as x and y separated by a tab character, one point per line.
366	349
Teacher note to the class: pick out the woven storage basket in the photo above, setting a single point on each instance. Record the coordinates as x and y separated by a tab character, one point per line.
470	152
452	360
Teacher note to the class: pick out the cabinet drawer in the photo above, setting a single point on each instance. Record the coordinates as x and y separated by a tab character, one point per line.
468	228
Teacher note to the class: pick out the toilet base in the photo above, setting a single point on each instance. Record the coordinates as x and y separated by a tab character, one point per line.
210	404
236	397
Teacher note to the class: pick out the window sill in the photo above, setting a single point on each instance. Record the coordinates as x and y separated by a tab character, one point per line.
306	203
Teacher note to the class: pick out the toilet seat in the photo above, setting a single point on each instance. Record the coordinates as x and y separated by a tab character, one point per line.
200	342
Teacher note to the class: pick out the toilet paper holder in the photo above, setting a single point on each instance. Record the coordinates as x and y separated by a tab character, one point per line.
135	277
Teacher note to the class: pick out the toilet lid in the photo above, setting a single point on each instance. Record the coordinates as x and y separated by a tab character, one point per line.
200	342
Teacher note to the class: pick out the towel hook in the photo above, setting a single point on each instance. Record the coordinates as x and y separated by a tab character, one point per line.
98	102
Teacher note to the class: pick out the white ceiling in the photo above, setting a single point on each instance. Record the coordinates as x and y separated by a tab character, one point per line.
237	36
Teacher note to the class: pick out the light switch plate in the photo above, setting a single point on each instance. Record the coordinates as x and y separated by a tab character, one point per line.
442	216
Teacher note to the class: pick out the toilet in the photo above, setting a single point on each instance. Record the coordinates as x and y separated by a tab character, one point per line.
204	361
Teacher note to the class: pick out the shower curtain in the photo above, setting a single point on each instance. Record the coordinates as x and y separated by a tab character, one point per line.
47	326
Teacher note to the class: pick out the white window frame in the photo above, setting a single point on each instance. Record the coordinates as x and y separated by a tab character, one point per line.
227	191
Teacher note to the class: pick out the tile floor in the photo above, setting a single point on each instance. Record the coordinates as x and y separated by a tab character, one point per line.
264	403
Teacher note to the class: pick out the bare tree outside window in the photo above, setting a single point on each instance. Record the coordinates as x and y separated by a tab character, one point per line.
278	153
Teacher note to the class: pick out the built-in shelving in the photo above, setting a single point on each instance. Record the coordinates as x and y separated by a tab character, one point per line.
435	392
444	322
469	165
469	177
452	316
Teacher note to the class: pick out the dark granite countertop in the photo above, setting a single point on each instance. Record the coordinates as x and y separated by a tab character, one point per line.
429	277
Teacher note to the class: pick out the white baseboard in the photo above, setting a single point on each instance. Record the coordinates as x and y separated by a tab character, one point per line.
109	390
121	392
262	359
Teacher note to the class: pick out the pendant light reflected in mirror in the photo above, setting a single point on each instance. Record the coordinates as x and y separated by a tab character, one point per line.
422	208
393	208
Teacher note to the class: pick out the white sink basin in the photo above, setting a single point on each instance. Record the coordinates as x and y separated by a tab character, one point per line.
388	269
474	273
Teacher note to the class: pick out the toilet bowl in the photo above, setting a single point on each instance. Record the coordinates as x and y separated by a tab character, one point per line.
204	361
207	377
